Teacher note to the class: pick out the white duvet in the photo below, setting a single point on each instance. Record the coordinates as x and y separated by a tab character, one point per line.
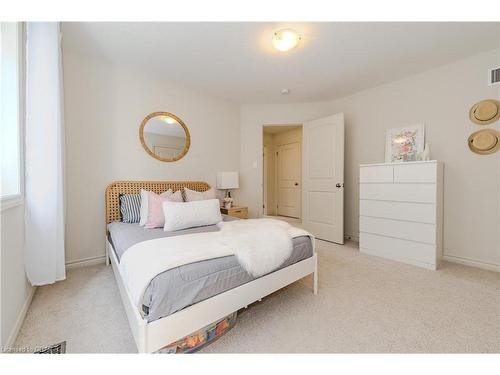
260	245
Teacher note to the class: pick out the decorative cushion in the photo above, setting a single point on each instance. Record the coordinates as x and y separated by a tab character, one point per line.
190	214
130	208
155	209
193	195
176	197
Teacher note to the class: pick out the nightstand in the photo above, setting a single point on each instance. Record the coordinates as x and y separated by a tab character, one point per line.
241	212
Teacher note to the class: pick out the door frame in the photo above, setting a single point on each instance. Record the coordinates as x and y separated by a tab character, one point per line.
262	211
265	162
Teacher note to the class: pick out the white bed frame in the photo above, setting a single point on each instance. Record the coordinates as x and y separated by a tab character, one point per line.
152	336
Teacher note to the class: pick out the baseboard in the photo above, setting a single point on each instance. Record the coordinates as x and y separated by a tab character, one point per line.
451	258
472	263
86	262
20	319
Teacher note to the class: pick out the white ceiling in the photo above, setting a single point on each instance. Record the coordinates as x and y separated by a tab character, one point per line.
235	61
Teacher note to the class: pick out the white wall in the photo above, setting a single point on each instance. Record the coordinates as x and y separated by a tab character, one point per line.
441	98
16	291
104	106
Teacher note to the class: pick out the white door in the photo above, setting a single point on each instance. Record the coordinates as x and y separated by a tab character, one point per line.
289	179
323	190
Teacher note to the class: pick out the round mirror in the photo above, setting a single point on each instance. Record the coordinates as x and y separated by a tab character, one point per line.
164	136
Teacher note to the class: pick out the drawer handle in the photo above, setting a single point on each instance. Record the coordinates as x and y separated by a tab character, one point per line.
237	211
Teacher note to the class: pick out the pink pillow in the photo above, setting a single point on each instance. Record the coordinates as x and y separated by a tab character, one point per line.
156	219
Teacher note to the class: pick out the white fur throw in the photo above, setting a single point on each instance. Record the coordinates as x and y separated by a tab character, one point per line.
260	245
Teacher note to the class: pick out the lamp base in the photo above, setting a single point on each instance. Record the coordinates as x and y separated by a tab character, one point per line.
228	201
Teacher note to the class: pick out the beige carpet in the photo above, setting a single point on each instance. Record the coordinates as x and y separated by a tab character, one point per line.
365	304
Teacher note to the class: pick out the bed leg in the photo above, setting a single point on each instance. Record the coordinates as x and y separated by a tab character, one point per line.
315	277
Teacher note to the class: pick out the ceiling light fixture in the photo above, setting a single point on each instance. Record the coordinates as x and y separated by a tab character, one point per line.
285	91
286	39
169	120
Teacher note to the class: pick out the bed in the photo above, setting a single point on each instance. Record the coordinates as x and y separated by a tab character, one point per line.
182	300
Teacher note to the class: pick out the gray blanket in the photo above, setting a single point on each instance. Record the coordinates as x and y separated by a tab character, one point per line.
186	285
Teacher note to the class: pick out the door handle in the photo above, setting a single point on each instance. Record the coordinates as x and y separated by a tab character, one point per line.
339	185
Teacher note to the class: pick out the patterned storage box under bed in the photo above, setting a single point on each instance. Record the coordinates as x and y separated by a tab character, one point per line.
199	339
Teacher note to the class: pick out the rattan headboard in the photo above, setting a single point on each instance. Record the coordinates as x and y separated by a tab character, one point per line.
116	188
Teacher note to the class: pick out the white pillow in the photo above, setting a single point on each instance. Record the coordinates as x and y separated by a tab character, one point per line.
193	195
191	214
176	197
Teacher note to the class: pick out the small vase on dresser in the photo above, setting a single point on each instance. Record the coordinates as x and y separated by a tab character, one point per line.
401	211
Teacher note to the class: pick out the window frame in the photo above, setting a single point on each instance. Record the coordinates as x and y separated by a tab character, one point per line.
12	200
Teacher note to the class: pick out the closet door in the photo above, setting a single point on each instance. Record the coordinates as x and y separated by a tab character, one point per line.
289	177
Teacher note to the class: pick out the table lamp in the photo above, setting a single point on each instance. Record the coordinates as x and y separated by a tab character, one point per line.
227	181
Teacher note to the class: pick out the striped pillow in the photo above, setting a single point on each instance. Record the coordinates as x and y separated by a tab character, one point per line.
130	208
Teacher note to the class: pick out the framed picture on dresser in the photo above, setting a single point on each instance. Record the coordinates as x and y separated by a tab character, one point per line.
404	144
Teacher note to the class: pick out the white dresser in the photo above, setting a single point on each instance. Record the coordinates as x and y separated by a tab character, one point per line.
401	211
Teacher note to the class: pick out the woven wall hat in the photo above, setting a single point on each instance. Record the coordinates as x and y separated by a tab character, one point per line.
484	142
485	112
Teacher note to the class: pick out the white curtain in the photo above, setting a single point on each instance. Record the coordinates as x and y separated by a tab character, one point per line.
44	180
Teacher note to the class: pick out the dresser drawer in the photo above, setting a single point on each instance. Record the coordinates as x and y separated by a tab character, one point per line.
397	249
406	230
422	193
240	212
426	172
422	213
376	173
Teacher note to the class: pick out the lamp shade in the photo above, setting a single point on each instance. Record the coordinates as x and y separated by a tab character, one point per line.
227	180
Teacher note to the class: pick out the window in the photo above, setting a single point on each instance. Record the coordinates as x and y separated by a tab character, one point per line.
10	111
